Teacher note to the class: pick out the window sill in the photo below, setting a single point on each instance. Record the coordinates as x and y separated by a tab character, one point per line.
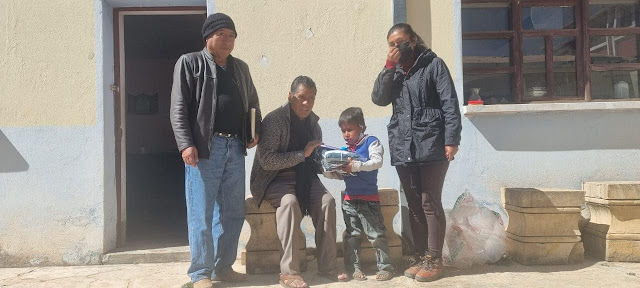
475	110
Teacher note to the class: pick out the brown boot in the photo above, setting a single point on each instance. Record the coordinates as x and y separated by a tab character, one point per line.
431	271
415	265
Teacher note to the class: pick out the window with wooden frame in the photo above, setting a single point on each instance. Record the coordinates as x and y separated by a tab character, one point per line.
523	51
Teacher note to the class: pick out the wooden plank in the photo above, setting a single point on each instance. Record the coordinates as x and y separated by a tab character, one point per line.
615	67
493	70
488	35
555	32
484	1
531	3
168	8
486	59
551	100
615	100
120	230
614	31
518	82
586	50
549	66
580	59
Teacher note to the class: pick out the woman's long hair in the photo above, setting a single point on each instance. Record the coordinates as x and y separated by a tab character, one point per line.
407	29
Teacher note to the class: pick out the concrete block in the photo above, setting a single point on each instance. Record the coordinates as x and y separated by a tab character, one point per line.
264	235
616	219
262	250
611	247
251	207
388	197
544	253
542	197
613	190
158	255
263	262
522	223
613	231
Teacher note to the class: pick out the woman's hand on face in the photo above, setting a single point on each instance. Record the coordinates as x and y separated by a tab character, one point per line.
311	145
394	54
450	151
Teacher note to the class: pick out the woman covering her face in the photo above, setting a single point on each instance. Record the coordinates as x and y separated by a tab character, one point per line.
424	134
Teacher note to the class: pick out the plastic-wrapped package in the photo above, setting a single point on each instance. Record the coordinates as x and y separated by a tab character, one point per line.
333	158
475	234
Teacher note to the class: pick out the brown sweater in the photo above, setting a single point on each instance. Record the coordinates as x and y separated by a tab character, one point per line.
271	155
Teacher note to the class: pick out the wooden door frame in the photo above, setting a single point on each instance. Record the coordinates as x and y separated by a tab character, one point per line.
120	102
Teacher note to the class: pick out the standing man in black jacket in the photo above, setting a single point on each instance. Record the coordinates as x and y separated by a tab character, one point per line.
424	134
210	102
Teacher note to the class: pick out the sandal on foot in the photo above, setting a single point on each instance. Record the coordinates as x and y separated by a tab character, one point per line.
292	281
384	275
343	277
359	275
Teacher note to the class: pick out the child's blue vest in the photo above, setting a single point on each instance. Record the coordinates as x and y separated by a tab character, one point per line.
364	182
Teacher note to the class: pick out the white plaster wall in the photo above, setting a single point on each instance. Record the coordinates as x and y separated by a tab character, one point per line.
52	213
57	170
52	208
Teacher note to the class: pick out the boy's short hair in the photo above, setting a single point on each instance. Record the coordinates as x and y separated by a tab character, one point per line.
352	115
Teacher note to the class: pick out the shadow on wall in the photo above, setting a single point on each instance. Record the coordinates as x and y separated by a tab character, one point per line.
566	131
12	161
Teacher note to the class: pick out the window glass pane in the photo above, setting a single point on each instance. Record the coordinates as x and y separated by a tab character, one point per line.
492	88
485	19
564	66
612	14
535	76
614	85
614	49
545	18
483	53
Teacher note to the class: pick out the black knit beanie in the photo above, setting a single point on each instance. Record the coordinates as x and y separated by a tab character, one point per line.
217	21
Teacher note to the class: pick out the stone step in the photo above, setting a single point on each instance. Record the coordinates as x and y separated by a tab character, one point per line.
159	255
613	190
542	197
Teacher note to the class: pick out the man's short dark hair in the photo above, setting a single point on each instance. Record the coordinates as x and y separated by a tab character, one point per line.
352	115
303	80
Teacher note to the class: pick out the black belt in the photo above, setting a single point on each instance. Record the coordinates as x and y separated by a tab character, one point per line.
226	135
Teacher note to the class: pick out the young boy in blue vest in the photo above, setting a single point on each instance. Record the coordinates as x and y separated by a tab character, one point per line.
361	203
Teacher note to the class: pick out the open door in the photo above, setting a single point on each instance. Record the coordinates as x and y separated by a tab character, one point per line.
149	169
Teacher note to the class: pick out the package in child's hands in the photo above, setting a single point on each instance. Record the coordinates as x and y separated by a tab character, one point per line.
334	159
474	234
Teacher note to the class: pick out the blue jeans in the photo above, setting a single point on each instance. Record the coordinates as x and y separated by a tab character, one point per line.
364	217
215	208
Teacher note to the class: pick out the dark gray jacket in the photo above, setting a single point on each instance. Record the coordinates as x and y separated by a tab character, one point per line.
426	115
193	99
272	155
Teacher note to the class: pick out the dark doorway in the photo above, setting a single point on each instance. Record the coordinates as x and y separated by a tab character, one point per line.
155	199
